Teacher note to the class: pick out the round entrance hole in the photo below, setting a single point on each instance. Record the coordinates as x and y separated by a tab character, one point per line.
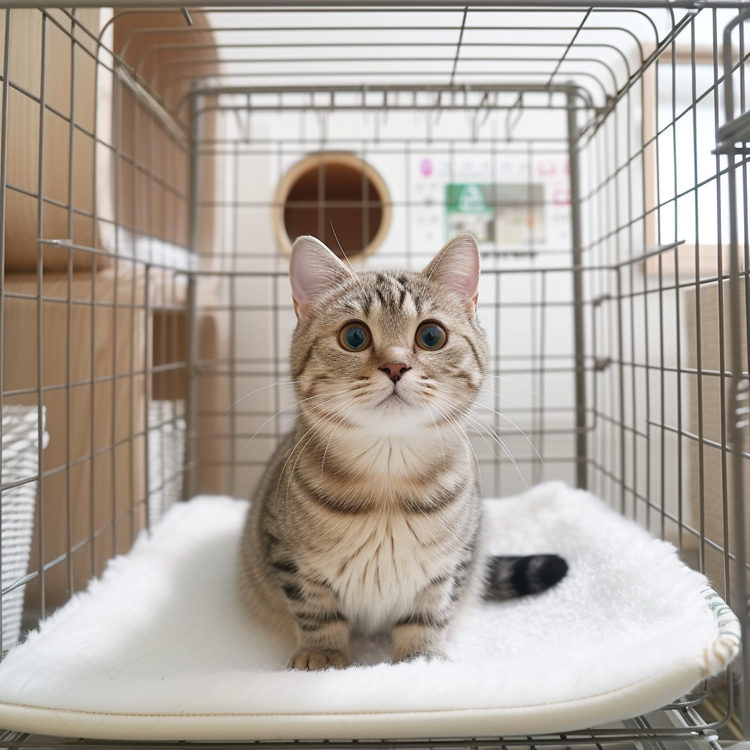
333	195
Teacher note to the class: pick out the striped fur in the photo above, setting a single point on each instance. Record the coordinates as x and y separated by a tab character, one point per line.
368	516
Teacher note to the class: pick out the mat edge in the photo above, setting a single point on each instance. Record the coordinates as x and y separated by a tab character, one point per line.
564	716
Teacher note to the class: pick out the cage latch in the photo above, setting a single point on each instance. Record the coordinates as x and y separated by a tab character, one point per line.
734	132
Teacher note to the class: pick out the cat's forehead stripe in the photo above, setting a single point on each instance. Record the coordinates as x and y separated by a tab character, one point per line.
394	293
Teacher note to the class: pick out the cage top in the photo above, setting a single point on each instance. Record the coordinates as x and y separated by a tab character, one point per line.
391	4
481	57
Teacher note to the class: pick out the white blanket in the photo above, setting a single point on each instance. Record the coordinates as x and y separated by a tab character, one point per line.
162	648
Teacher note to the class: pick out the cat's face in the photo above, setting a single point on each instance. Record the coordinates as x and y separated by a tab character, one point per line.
390	351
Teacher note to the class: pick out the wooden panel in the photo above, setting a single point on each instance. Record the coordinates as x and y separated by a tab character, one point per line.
95	422
24	120
170	349
153	172
154	195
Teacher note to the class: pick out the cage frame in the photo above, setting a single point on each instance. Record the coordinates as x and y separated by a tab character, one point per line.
729	134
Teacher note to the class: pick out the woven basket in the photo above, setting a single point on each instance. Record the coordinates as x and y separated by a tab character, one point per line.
20	446
166	455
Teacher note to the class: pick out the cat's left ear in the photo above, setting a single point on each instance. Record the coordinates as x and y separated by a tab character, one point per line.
313	270
456	267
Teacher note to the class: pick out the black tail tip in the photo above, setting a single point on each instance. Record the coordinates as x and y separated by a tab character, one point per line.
553	570
511	577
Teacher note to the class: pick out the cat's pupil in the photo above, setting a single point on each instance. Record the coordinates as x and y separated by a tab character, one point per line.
355	337
431	336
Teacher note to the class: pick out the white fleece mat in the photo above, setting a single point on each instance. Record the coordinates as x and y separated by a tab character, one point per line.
161	648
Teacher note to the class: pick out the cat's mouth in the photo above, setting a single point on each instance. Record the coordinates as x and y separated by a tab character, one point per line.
393	397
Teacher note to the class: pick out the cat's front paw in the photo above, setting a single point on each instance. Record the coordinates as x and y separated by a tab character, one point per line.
412	655
313	659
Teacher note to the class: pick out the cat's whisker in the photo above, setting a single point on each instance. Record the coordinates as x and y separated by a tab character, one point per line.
473	420
314	406
467	440
459	408
292	418
492	450
486	389
508	380
296	403
440	437
328	444
291	453
322	418
302	450
508	419
283	381
291	473
502	444
349	263
502	416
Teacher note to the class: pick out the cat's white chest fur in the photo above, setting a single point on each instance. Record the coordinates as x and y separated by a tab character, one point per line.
379	565
382	454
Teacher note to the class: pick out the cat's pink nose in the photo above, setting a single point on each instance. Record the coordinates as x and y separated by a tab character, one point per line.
394	370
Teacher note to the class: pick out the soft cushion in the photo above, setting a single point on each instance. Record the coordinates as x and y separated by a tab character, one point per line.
162	647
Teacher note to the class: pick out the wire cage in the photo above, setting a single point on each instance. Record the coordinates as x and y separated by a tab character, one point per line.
156	162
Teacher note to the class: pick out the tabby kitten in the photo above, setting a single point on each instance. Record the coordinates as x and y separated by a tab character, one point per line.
368	517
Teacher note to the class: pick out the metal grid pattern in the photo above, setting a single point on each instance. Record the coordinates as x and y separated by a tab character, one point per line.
86	305
146	305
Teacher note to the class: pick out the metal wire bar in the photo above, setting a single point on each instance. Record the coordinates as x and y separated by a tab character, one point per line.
299	4
636	350
686	729
738	388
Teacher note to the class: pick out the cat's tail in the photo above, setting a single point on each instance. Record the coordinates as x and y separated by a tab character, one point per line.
511	577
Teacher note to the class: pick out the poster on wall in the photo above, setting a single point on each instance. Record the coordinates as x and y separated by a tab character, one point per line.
518	205
507	215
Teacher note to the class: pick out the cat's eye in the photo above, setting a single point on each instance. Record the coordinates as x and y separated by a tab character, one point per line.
355	337
431	336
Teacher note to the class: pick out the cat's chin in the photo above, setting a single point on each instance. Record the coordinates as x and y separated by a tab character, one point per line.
394	416
393	401
401	407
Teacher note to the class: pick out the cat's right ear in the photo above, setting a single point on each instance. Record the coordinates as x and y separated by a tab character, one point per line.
313	270
456	267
